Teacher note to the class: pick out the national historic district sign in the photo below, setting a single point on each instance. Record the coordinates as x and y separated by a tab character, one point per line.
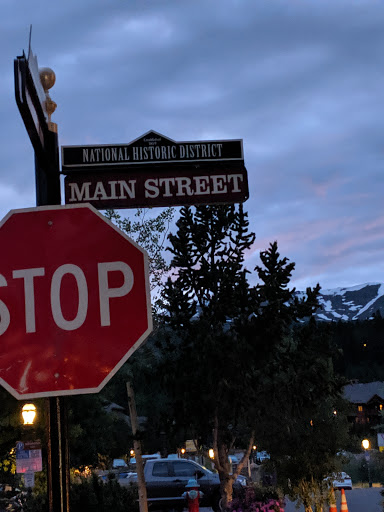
74	300
154	170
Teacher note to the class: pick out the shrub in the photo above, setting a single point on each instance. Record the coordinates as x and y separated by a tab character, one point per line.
91	495
257	499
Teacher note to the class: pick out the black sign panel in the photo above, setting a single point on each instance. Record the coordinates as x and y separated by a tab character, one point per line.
30	103
207	184
151	148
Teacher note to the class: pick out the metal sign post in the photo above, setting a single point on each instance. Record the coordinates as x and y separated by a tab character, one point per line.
36	107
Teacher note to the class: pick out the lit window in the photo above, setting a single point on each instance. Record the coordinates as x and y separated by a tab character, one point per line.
381	407
360	408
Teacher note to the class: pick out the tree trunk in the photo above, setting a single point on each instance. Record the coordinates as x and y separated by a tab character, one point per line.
226	488
223	466
245	457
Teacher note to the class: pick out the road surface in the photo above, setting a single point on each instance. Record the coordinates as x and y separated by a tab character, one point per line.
358	500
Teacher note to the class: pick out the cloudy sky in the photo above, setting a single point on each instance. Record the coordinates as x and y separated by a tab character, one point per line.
300	81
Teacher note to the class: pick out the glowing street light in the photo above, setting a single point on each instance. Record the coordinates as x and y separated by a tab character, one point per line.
28	413
211	453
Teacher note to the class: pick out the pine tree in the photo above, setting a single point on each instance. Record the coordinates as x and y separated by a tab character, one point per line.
233	371
210	279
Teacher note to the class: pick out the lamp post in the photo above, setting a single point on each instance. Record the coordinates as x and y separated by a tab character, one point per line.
28	413
366	444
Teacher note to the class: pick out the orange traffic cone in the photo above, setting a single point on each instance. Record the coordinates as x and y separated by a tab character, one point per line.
332	502
344	506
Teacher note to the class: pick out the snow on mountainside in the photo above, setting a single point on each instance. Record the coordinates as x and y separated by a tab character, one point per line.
354	303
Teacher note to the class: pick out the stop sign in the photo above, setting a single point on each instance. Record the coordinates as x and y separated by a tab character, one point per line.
74	300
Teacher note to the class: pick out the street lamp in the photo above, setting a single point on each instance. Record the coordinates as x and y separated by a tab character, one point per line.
28	413
211	453
366	444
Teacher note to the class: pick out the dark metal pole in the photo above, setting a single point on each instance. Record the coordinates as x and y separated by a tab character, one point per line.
47	173
47	176
58	456
43	135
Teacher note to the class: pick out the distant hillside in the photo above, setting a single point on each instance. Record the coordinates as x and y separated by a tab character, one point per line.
355	303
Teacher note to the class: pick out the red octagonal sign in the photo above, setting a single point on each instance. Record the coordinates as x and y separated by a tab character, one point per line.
74	300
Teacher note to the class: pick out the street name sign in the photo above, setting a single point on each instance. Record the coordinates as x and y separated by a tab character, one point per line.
152	147
144	189
74	300
154	170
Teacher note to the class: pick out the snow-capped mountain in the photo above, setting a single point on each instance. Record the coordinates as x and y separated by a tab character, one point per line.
354	303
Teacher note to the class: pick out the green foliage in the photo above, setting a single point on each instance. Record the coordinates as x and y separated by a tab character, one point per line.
208	255
93	431
8	463
312	493
258	499
309	453
90	495
356	466
35	502
150	232
246	362
361	349
277	308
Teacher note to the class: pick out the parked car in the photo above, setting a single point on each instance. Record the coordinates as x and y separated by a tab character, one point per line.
128	478
144	458
340	481
242	480
166	480
119	464
262	456
234	461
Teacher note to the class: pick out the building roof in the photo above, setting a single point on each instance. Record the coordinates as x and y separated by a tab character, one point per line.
363	393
